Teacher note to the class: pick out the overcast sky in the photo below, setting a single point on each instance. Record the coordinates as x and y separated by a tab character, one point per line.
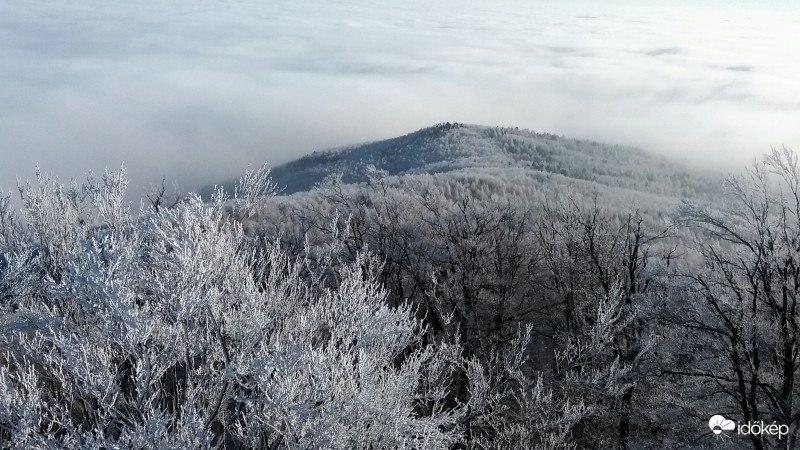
198	90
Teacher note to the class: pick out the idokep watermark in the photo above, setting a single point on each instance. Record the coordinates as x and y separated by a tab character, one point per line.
720	424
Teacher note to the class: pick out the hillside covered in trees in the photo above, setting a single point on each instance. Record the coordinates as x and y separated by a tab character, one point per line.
497	152
460	287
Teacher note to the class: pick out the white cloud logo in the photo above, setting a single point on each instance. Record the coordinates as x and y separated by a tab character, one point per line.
718	424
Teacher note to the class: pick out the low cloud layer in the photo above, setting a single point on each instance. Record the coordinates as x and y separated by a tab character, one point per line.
197	90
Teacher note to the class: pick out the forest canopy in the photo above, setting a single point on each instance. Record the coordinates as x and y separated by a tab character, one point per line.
401	310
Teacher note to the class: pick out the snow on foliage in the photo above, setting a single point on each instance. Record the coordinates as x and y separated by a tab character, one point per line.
475	308
170	328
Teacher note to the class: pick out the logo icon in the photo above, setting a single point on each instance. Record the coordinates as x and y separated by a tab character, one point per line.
718	424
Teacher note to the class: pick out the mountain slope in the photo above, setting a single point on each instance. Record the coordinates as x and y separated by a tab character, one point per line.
457	148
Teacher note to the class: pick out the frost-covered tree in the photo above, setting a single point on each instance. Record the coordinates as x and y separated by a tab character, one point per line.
739	306
168	329
475	267
599	269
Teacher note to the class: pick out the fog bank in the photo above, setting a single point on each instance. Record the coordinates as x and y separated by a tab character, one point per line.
196	91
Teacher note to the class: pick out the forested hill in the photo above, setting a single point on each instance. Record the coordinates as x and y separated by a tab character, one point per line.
462	148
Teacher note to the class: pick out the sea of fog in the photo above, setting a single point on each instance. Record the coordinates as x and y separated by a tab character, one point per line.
198	90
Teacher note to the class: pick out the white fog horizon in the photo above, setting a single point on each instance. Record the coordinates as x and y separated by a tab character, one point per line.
198	91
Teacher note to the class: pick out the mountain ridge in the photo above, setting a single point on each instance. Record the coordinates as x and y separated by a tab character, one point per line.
455	147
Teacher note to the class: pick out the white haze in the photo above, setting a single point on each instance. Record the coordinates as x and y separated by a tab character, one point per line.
197	90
